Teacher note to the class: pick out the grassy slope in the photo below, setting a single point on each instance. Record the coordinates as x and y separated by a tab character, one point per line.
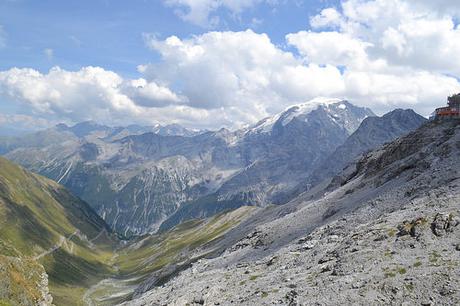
37	214
160	250
21	281
136	262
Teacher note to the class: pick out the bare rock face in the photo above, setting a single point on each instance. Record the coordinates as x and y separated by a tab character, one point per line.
372	133
393	240
23	282
444	223
256	239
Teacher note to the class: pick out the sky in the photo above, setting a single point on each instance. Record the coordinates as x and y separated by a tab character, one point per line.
220	63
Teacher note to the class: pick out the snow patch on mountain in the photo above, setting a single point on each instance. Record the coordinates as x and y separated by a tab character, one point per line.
266	125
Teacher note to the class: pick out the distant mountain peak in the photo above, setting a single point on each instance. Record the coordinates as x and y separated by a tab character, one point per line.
332	106
399	112
373	132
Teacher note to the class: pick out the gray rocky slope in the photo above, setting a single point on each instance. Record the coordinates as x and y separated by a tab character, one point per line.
386	231
137	181
372	133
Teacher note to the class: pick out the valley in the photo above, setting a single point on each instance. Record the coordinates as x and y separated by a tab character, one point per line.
227	153
141	181
223	245
45	227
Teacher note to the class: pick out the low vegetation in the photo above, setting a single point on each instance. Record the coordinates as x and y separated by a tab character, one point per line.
136	262
44	228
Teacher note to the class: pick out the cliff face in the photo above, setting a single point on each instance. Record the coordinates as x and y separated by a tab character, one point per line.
23	282
372	133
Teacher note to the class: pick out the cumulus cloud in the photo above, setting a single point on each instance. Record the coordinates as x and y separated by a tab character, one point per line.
90	93
239	69
150	94
328	17
403	33
441	7
200	12
393	53
246	70
332	48
377	53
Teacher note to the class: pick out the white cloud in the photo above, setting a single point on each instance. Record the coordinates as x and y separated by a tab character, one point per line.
239	69
200	12
90	93
329	17
329	47
441	7
403	33
151	94
246	70
394	53
379	53
422	91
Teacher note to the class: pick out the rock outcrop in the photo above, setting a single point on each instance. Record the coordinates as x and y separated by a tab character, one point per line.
387	232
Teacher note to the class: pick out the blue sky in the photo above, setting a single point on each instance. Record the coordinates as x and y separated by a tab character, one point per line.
220	63
108	33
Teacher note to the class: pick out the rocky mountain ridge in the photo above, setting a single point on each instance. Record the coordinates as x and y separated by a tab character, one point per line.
386	230
140	181
372	133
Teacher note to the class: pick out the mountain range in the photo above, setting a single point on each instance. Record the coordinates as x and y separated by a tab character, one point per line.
385	231
136	181
141	182
323	197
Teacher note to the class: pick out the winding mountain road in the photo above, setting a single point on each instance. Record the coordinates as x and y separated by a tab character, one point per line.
57	246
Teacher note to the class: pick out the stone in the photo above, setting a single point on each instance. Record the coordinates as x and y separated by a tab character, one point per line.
440	225
358	284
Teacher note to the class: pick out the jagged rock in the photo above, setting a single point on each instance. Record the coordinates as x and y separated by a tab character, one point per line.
291	297
417	227
198	300
373	132
23	281
272	260
326	268
404	229
413	228
444	223
256	239
447	290
325	259
308	245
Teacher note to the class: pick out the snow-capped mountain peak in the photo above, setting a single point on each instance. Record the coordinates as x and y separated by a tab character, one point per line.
285	117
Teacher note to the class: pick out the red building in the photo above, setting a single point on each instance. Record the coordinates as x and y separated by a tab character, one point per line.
450	111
